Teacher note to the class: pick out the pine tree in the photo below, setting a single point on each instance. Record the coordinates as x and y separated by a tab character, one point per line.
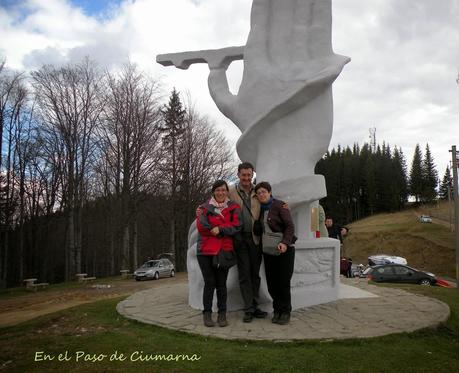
173	130
416	174
400	178
362	182
430	177
446	184
368	180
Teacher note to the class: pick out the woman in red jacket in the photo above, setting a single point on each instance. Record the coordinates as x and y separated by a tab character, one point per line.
218	220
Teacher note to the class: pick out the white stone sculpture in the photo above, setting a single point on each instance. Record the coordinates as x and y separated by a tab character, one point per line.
284	109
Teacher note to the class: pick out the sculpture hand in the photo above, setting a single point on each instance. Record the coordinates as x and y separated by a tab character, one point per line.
288	54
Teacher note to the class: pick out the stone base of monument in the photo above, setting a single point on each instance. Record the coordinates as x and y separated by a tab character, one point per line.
316	273
315	279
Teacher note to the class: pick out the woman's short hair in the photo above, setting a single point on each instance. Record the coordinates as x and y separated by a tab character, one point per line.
218	184
264	185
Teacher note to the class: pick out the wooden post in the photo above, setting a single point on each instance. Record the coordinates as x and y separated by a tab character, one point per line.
456	210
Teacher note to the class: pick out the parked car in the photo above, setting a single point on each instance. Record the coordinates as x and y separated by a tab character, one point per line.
386	259
154	269
400	274
425	219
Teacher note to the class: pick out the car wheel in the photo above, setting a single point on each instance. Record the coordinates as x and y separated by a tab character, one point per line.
172	273
156	276
137	279
425	281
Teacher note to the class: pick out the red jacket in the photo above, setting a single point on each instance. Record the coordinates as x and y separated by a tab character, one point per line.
229	224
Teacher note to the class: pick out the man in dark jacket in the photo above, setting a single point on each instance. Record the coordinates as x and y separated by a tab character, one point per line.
334	230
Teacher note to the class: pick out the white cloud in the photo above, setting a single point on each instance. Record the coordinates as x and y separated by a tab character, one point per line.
401	79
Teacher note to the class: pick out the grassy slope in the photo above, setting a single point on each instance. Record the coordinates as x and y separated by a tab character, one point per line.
425	246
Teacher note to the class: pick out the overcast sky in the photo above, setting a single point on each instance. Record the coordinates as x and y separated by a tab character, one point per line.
401	80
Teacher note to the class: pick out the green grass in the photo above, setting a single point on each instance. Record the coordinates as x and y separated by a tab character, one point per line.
18	291
426	246
97	328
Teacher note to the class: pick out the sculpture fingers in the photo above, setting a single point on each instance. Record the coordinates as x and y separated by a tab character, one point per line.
215	58
223	98
259	29
312	30
281	26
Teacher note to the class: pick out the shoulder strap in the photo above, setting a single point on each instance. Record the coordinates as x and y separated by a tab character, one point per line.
266	227
244	203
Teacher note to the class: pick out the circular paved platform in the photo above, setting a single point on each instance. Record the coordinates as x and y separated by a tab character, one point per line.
391	311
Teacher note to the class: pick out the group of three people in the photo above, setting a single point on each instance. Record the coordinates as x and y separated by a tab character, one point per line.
226	222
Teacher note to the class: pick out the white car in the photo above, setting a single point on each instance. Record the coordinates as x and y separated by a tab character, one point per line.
386	259
425	219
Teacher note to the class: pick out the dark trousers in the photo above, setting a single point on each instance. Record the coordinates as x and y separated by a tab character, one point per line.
249	258
279	271
214	278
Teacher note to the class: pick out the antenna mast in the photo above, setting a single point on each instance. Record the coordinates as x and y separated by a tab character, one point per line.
373	139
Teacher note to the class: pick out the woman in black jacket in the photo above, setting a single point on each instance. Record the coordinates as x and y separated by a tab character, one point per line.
278	267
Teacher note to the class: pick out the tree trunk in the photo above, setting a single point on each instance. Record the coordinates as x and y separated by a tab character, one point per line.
21	252
5	257
94	258
174	248
112	253
70	247
125	250
135	245
78	238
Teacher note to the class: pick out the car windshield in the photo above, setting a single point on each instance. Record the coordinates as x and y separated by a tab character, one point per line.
150	264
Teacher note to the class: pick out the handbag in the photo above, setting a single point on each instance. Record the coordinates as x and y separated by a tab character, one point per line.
224	259
269	239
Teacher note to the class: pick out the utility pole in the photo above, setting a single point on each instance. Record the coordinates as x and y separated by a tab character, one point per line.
450	208
372	136
456	209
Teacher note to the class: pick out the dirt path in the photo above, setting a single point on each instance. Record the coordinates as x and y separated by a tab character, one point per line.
26	307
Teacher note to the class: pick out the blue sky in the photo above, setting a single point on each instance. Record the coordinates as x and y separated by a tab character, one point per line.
95	7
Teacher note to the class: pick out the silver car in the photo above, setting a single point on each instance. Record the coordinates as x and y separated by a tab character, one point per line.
154	269
425	219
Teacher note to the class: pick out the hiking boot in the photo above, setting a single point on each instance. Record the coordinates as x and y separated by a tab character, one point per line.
248	317
275	318
259	314
284	318
221	319
208	319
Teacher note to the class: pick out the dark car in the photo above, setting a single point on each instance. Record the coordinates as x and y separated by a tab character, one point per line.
400	274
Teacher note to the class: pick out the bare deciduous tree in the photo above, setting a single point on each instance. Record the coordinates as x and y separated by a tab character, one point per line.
70	104
13	97
131	151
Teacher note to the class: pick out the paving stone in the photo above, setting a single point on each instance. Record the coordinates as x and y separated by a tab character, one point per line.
392	311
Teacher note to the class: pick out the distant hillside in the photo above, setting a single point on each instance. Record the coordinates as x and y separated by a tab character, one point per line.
425	246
